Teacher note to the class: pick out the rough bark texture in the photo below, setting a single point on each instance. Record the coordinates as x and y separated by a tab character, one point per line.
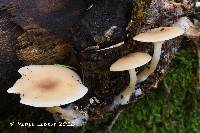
70	27
56	16
37	46
101	17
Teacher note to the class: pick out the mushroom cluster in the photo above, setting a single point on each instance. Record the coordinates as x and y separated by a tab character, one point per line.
54	85
50	86
134	60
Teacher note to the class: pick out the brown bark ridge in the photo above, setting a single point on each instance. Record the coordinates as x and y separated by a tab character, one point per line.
49	32
38	46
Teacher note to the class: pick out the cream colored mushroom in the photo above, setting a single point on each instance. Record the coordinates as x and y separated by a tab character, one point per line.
157	36
48	86
129	62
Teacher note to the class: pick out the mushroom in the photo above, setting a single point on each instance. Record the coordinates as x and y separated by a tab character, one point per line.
157	36
129	62
48	86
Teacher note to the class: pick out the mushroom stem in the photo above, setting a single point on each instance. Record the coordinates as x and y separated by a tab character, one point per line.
124	96
75	117
66	114
152	66
133	78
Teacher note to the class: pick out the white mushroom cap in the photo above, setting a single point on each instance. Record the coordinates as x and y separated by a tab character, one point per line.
159	34
48	86
130	61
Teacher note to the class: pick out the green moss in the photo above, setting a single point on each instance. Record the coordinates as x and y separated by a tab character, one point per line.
197	16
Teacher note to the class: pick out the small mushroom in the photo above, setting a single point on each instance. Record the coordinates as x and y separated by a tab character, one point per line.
129	62
157	36
48	86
